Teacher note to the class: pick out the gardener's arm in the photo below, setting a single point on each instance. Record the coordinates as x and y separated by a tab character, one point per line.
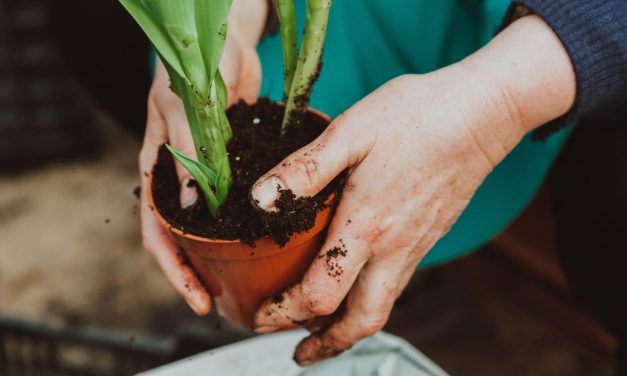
594	33
417	149
167	123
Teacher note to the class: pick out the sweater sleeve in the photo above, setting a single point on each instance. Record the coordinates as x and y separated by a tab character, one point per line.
594	33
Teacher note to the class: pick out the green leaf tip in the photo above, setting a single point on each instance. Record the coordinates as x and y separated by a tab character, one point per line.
214	185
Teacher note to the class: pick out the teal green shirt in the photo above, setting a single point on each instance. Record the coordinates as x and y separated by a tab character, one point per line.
371	41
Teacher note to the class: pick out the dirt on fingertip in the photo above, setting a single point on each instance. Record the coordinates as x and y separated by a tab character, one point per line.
332	259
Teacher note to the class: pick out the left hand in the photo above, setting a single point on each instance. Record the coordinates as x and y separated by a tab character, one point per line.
416	150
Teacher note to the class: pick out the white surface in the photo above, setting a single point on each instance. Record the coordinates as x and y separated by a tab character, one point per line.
381	355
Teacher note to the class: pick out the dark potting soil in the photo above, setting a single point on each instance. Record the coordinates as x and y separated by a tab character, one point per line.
256	147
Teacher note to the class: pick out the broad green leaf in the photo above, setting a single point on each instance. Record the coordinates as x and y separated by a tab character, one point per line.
178	19
221	94
221	91
177	83
156	33
211	18
171	27
189	36
204	177
194	125
193	166
222	181
289	40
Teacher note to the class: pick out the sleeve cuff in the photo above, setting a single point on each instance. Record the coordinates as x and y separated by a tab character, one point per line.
594	34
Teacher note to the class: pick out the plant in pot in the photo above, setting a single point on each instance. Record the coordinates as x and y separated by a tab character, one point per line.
242	254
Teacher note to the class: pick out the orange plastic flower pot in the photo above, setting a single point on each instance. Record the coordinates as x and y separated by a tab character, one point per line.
240	277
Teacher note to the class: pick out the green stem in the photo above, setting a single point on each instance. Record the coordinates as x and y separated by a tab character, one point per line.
221	94
308	62
289	40
209	132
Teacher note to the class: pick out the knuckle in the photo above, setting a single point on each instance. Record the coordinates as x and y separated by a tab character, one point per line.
376	228
322	307
372	325
320	302
308	168
373	227
335	128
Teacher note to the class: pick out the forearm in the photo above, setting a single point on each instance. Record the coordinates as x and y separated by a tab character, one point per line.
247	19
530	69
594	32
521	80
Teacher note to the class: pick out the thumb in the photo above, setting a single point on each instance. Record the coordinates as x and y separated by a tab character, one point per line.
308	170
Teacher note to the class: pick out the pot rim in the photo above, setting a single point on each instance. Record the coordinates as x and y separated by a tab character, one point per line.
172	228
165	223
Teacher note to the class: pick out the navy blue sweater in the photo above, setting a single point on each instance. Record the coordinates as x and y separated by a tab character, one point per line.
594	32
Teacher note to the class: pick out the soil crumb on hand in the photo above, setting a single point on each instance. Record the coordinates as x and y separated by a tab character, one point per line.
277	298
332	259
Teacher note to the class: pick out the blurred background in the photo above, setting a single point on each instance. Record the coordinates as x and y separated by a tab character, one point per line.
79	296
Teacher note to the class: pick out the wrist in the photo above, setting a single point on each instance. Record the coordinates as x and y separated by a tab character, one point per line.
460	113
529	71
481	112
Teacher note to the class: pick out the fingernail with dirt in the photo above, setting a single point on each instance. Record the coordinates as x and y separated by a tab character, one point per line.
308	349
266	191
188	193
318	346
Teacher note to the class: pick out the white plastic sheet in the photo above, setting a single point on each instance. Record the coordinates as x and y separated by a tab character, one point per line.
380	355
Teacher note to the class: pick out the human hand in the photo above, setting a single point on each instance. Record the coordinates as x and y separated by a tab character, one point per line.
416	150
412	170
166	122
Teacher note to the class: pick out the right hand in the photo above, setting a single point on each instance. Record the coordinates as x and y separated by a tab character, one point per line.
166	122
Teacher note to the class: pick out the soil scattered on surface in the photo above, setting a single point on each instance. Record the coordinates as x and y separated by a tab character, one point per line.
255	148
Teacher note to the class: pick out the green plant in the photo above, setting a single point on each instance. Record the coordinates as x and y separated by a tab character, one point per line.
300	75
189	36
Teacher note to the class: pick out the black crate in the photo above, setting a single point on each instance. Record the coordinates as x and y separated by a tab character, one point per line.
43	115
33	349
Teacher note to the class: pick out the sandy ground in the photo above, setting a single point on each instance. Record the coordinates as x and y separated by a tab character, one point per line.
70	246
70	252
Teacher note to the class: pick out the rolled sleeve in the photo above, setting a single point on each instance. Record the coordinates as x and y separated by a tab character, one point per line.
594	33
